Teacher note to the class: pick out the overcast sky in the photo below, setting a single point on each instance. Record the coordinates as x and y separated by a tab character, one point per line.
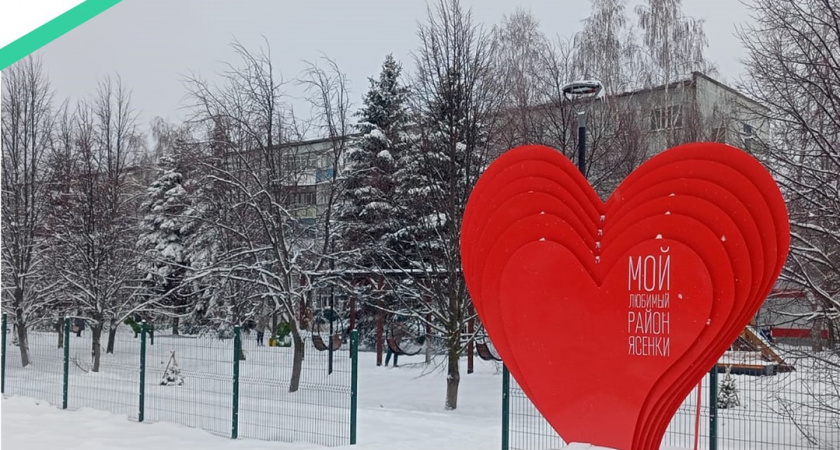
153	44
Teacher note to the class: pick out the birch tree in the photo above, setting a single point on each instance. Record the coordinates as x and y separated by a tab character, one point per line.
520	46
673	43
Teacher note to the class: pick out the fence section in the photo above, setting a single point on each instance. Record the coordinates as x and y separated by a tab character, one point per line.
194	381
318	411
42	378
189	380
114	386
795	410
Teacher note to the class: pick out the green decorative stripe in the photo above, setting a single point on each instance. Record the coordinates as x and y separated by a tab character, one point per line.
44	34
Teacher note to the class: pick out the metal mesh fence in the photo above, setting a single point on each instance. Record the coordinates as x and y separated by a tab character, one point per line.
199	390
42	378
317	412
192	381
528	428
114	387
794	410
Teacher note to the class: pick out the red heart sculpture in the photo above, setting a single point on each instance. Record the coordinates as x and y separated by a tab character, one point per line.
543	260
590	358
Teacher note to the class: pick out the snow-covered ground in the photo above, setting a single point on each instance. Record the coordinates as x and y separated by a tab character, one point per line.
399	408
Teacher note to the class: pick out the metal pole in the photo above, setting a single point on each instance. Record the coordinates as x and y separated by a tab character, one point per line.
332	331
354	383
66	380
713	408
237	347
505	408
380	328
142	402
582	142
352	318
471	345
3	363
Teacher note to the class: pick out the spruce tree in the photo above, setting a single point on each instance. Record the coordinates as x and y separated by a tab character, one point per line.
162	239
728	393
368	214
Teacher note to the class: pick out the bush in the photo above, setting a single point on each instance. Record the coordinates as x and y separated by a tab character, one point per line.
283	329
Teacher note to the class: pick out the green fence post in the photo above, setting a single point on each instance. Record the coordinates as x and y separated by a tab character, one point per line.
505	408
151	333
713	408
3	363
66	382
354	383
237	347
142	403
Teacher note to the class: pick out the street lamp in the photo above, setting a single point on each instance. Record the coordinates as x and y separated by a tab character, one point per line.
577	90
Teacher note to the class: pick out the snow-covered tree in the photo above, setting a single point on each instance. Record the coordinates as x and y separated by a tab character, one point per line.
368	213
172	373
26	134
275	237
164	229
92	221
793	71
728	392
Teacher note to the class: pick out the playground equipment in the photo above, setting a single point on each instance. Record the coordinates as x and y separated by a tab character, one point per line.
327	318
485	352
405	335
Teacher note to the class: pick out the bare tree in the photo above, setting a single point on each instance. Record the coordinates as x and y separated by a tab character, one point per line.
793	70
329	97
276	233
520	46
673	42
606	49
27	128
455	100
93	222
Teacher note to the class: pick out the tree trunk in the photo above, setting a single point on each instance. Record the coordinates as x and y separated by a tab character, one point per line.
428	338
453	374
96	350
816	336
241	351
176	321
23	337
59	328
273	326
297	361
112	334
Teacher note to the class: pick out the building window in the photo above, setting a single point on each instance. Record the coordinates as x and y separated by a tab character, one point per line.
747	135
302	197
666	117
297	161
322	175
